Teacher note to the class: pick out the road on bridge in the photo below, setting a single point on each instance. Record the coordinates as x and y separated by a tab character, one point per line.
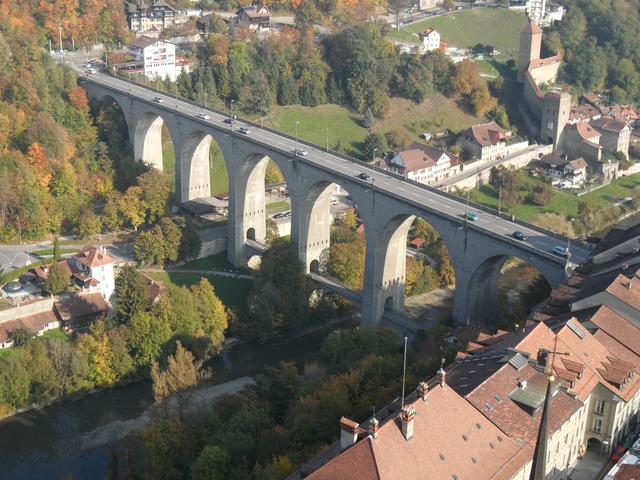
429	199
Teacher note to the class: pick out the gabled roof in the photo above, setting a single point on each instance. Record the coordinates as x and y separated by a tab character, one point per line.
35	323
609	124
586	131
577	164
92	257
486	134
42	273
255	11
459	444
143	41
79	306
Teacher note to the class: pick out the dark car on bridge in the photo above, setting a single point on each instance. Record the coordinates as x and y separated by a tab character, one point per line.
365	176
518	235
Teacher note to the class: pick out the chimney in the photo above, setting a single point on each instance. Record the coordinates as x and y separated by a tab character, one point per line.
522	384
629	284
373	427
441	377
423	389
407	416
348	433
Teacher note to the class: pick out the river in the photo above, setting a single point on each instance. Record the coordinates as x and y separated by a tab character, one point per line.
75	437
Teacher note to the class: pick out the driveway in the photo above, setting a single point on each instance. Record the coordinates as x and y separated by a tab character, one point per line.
589	467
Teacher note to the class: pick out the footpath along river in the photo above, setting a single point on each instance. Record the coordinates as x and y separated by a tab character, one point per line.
75	437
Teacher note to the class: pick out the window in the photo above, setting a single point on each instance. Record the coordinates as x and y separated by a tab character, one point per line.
599	409
597	425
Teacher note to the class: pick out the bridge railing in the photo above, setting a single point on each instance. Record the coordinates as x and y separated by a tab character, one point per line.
365	165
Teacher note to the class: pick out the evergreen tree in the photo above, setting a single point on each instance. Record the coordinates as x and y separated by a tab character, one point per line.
57	280
131	292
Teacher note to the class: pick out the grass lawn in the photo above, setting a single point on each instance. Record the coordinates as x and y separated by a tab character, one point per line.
213	262
232	291
487	69
217	167
436	113
342	125
57	333
279	206
564	203
498	27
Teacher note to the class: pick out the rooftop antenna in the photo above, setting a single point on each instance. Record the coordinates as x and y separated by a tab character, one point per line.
404	373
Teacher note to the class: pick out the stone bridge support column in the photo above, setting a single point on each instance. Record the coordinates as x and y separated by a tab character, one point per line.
192	161
311	226
146	135
246	206
385	269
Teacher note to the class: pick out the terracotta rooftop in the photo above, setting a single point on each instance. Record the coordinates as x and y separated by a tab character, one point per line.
42	273
92	257
583	113
586	131
622	113
143	42
486	133
462	444
577	164
35	323
532	27
78	306
418	156
609	124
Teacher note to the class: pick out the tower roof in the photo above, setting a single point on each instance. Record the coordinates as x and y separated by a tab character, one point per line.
532	27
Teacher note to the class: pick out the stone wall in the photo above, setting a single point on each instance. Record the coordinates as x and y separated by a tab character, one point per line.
26	310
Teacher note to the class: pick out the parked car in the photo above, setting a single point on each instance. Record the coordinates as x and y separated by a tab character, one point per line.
203	116
300	151
278	215
560	250
364	176
518	235
471	216
618	453
244	130
157	99
91	70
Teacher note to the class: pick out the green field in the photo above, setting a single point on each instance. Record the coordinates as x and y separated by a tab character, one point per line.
217	167
57	333
314	123
213	262
564	203
280	206
232	291
498	27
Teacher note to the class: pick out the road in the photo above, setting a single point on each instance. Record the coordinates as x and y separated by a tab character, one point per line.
429	199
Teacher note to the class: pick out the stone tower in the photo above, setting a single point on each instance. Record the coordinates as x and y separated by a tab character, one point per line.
530	45
555	115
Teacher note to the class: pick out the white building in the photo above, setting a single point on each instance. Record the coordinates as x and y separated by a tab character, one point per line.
425	164
430	41
536	10
145	18
93	268
157	58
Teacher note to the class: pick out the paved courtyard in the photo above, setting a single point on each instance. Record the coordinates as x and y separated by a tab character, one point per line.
589	467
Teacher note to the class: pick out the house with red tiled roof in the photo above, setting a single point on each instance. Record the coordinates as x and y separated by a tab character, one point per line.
436	434
615	135
425	164
485	141
254	16
92	269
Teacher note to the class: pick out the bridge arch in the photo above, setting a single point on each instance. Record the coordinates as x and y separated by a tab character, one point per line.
479	292
247	198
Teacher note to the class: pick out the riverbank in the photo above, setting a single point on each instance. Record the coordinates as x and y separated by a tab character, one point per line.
74	438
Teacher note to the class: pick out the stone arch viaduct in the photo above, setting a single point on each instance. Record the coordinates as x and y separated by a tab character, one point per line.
387	205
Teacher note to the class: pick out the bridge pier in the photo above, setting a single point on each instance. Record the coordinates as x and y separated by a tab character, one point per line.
246	206
192	166
146	133
311	226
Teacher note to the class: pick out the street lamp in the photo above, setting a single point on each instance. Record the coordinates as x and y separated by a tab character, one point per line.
231	124
60	38
205	99
297	122
327	139
374	155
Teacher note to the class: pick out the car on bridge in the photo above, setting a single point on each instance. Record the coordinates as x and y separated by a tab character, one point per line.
365	176
518	235
228	121
560	250
300	151
203	116
244	130
157	99
474	217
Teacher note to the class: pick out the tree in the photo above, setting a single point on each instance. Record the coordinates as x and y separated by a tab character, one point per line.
350	219
149	246
213	318
398	139
172	239
273	175
346	262
89	223
368	119
57	280
541	194
212	464
481	99
133	207
56	249
374	143
279	387
21	336
272	230
255	94
183	372
146	335
156	191
191	244
466	77
447	272
424	230
131	292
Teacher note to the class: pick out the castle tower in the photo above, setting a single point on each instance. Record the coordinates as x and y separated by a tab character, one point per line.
530	45
555	115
